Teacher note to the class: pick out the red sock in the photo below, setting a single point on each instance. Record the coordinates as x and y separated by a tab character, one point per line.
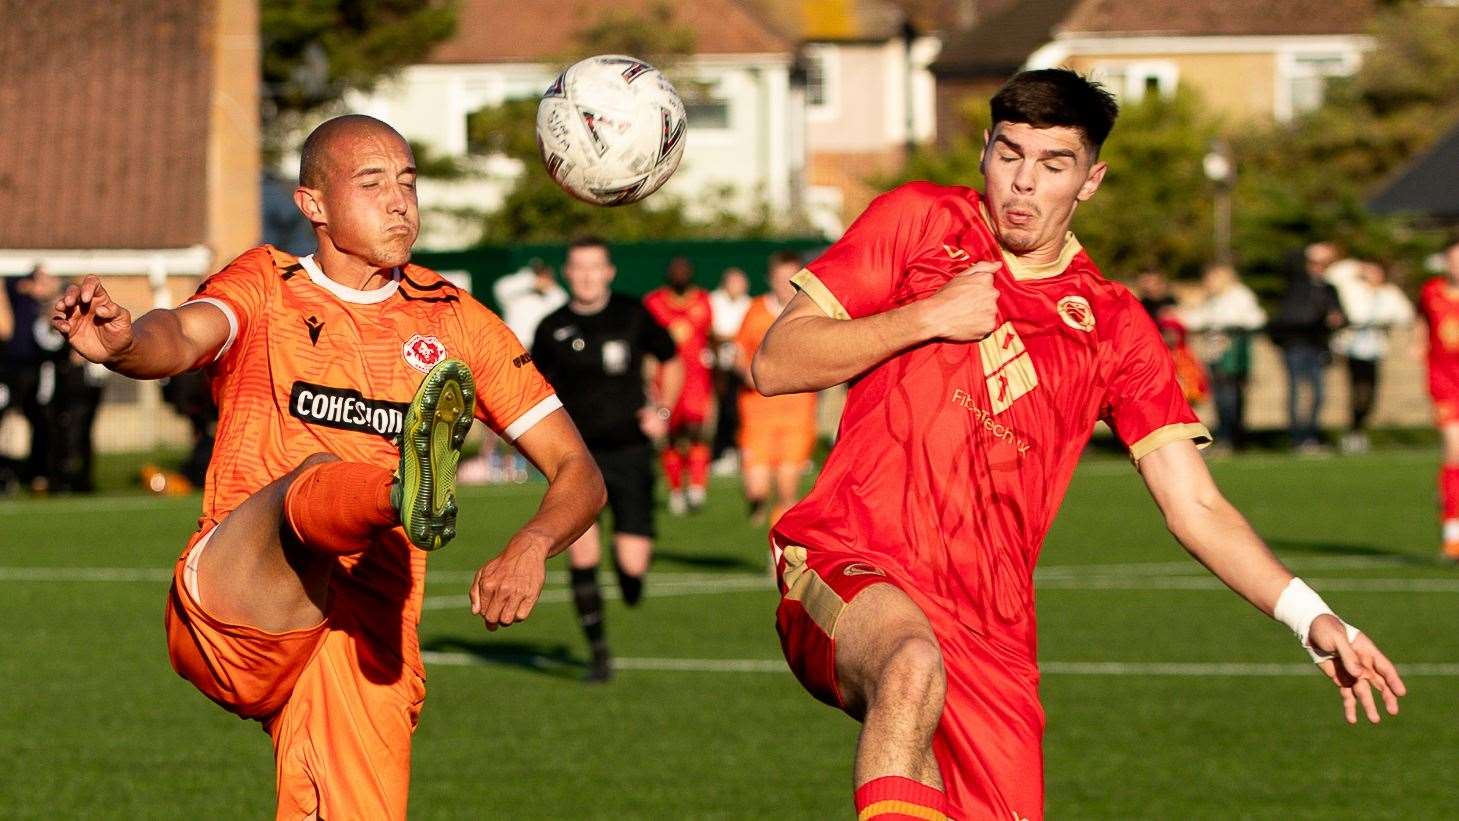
673	462
1449	491
698	464
894	798
340	507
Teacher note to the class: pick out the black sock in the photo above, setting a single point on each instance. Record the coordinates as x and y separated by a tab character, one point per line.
756	507
631	587
588	599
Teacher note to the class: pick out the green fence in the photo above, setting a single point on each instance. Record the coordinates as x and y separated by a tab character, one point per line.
641	265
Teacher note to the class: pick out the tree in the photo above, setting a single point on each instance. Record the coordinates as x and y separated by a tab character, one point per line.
316	50
1310	178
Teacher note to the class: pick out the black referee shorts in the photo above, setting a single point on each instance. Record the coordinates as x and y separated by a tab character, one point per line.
628	473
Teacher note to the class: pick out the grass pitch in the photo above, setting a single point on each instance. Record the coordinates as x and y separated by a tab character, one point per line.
1167	697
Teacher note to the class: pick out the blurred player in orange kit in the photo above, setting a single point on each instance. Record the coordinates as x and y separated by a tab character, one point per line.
296	602
777	433
1439	305
982	346
683	308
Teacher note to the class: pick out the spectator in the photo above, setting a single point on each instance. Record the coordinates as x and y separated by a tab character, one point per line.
31	357
526	296
7	329
1223	323
1153	289
1374	307
728	303
1308	315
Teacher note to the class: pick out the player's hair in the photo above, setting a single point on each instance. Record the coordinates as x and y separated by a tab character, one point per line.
1053	97
314	156
786	257
588	241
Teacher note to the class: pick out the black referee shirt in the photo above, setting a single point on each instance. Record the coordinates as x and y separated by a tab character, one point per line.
595	363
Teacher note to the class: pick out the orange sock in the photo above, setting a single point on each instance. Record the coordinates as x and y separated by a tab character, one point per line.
673	462
340	507
698	464
894	798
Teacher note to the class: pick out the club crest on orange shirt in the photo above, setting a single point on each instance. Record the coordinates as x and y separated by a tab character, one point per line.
1076	313
423	352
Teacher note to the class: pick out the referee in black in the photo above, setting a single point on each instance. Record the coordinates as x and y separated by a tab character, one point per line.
592	351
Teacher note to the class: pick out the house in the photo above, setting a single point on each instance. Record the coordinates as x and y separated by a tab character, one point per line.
1265	59
1428	187
743	133
868	96
129	148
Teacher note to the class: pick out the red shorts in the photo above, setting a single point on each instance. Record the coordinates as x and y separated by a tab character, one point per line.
989	743
693	405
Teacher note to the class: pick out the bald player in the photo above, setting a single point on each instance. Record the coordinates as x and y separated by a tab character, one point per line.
346	381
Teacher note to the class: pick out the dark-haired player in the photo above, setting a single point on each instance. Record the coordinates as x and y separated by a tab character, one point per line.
683	308
296	601
593	350
982	346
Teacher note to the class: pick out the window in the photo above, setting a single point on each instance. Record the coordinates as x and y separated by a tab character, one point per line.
1307	79
1130	82
819	64
707	112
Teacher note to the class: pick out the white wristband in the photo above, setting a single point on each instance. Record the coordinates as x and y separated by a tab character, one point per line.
1299	606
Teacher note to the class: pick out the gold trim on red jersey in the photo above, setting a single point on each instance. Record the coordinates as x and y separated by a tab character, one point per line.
812	286
1160	437
1034	270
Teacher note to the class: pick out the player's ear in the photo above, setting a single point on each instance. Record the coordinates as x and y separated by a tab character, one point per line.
983	156
612	272
1091	182
311	205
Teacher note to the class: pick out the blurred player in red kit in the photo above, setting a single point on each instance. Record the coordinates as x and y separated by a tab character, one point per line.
1439	305
982	345
683	308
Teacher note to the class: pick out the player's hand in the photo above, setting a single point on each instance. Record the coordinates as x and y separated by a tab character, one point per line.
1358	667
506	588
653	424
97	328
966	308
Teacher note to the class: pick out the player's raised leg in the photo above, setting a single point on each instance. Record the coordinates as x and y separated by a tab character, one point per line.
268	564
890	675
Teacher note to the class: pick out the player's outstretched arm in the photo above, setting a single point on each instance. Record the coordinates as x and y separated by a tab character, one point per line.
506	588
1220	538
805	350
164	342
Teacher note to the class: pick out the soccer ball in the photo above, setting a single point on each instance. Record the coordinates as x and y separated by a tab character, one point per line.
611	129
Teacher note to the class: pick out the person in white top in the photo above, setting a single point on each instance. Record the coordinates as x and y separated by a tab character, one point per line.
526	296
1222	324
1375	307
729	302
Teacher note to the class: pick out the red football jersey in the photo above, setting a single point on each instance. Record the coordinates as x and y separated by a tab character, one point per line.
688	318
1439	304
952	458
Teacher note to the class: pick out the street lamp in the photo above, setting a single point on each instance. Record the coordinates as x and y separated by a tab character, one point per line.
1221	171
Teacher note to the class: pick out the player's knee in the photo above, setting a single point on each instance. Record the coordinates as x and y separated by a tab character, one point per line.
317	459
913	676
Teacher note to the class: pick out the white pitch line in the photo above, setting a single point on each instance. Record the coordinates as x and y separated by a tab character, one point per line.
655	590
1056	668
89	504
84	574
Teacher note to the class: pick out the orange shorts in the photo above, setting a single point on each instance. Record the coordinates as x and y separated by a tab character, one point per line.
341	735
1446	412
768	442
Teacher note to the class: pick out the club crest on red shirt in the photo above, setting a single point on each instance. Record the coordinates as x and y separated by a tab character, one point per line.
1076	313
423	352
